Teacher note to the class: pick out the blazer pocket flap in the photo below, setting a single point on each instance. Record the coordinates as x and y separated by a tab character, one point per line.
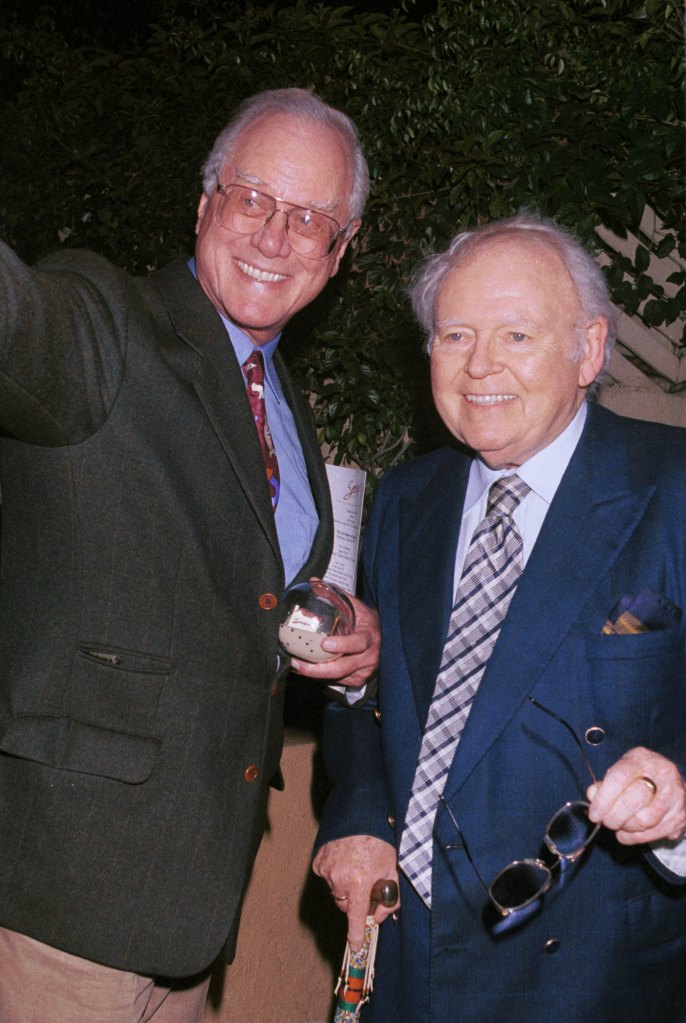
76	746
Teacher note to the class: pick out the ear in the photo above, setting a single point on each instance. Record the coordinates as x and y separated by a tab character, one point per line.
202	205
592	358
340	250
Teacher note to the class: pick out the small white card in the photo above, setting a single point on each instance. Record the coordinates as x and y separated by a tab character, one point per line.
346	484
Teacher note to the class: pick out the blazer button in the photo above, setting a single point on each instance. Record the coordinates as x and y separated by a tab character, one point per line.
251	773
267	601
594	735
391	820
377	714
551	946
275	690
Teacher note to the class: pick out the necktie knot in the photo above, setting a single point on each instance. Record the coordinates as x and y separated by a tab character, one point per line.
254	368
505	495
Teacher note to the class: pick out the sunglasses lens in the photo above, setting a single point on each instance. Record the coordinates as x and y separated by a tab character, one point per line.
570	830
519	883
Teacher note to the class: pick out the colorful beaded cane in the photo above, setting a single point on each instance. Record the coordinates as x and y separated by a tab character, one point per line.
356	979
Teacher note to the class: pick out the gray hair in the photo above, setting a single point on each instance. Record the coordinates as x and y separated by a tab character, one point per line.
295	103
587	277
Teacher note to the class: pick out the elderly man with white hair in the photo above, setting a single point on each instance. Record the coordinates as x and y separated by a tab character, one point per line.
520	771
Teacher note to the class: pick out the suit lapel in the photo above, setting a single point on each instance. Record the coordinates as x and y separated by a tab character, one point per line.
429	528
593	515
209	364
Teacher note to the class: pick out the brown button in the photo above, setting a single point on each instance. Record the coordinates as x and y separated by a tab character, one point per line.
275	690
251	773
391	820
551	946
267	601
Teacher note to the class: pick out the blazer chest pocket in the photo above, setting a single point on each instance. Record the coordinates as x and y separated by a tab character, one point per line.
641	675
117	689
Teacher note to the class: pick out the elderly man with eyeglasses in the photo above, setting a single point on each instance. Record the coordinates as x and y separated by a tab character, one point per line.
521	770
161	485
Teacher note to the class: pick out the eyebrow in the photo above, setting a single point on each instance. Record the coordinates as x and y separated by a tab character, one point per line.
329	204
514	321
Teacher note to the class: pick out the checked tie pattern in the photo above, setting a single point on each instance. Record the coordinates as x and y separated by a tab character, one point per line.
491	572
253	367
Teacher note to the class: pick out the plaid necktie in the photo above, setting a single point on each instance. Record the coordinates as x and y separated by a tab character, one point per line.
489	578
253	367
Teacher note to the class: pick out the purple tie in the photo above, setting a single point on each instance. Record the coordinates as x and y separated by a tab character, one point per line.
253	367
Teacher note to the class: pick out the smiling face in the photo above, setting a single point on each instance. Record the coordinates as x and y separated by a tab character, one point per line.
256	280
512	354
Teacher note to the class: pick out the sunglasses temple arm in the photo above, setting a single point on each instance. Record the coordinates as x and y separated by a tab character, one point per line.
571	731
458	829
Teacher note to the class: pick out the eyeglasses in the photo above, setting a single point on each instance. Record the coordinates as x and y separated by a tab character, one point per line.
311	233
567	836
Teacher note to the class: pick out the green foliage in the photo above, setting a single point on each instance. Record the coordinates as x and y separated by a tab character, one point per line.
466	113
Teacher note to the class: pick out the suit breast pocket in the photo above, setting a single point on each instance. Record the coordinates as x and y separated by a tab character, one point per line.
639	681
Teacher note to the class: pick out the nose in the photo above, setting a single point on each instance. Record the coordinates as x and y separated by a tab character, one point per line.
482	359
272	238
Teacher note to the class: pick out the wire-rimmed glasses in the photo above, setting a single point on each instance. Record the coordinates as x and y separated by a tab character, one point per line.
567	836
311	233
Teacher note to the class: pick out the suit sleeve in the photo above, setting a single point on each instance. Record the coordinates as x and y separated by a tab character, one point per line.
62	345
358	802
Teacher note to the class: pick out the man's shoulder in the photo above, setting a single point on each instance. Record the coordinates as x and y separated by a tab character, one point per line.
655	452
412	476
661	440
100	270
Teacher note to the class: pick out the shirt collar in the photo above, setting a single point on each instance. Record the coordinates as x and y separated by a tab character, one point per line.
543	471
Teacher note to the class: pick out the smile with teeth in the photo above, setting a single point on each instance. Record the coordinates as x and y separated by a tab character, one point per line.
260	275
489	399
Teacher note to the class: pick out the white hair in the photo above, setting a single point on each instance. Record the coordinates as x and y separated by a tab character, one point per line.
295	103
587	277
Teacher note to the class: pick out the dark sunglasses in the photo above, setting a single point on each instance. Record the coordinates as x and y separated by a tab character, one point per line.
567	836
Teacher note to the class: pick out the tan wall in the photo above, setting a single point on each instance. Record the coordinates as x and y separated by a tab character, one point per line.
292	937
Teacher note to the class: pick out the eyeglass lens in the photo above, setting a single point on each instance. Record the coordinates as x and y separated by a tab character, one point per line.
570	830
519	884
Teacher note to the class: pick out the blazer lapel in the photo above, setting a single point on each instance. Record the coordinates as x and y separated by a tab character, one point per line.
213	371
429	529
558	580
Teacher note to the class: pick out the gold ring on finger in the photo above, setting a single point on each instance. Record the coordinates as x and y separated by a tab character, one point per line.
649	782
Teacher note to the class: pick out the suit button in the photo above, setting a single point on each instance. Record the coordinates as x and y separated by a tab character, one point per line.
377	714
391	820
251	773
551	946
267	601
594	735
275	690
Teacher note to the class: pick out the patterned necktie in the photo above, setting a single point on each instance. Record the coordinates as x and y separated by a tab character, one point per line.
491	572
253	367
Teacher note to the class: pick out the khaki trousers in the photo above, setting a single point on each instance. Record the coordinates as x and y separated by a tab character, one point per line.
40	984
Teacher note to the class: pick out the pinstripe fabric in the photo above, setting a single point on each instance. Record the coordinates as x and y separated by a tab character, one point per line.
489	578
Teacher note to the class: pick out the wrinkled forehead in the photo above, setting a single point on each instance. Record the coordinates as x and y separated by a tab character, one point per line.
516	259
293	157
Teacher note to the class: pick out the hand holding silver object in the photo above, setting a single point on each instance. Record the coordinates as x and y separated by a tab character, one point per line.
314	611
